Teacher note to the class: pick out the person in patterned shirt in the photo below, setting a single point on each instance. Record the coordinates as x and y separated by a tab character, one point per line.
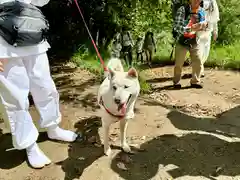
189	19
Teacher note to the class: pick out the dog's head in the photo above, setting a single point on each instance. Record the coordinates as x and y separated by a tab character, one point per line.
124	88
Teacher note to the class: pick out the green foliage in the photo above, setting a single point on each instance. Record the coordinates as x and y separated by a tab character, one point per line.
69	34
229	26
90	63
225	56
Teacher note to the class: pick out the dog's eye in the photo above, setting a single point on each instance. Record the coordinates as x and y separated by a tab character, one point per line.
114	88
126	87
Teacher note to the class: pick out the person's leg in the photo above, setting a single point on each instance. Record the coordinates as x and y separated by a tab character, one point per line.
146	54
202	49
130	55
207	47
124	51
150	55
195	54
14	84
138	55
180	55
141	56
46	97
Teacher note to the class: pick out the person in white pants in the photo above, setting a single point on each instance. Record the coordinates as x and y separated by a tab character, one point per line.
25	69
204	37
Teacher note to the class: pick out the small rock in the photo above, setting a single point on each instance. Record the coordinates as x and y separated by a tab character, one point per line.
141	150
143	138
122	166
92	139
81	158
217	172
97	145
180	150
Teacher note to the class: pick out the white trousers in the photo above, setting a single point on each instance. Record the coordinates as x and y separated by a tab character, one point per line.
205	45
20	76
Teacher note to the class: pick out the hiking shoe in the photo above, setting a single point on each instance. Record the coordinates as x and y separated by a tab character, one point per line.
177	86
197	86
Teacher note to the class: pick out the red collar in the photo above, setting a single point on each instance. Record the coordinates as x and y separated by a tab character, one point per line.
118	116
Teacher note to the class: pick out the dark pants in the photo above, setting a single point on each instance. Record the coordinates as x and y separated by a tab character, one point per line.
140	55
127	54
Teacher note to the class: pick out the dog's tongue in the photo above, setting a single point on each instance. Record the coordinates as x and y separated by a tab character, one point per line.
123	109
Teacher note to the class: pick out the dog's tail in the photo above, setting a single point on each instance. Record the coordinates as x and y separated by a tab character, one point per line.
114	64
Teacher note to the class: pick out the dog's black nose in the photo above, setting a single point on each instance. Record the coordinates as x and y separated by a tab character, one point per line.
117	101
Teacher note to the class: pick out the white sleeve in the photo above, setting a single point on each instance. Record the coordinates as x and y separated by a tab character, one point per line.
25	1
39	3
215	27
215	17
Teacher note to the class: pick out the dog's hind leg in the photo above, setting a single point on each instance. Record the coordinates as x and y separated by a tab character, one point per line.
123	131
106	126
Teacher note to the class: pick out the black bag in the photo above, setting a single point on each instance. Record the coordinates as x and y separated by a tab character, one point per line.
188	42
22	24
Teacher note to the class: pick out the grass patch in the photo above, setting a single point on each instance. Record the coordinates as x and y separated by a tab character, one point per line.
92	64
88	63
221	56
225	56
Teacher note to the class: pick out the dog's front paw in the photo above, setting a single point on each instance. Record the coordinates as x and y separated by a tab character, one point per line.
107	151
126	148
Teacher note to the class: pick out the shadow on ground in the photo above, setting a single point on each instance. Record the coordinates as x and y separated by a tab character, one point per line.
72	89
226	123
191	154
11	158
165	79
85	151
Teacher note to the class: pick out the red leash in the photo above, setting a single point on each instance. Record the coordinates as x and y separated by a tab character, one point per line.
89	33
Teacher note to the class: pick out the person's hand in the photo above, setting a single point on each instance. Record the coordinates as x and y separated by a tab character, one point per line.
215	35
199	26
196	27
2	64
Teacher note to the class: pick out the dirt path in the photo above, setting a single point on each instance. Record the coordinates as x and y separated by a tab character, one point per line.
177	134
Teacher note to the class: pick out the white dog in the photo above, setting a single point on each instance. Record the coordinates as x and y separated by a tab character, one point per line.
117	96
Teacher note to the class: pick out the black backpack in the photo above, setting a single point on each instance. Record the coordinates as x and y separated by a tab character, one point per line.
22	24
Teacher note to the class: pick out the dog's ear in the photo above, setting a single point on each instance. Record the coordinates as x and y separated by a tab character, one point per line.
111	73
132	73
